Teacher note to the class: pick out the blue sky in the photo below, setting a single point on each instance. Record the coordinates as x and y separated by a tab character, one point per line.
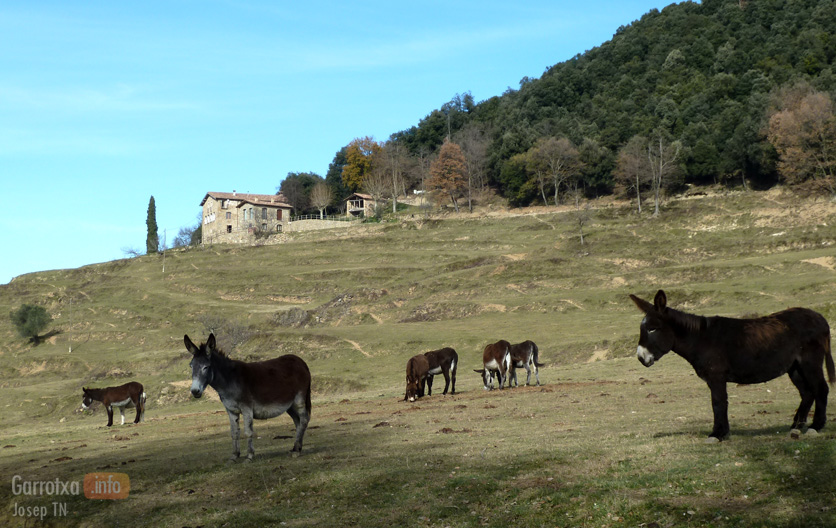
104	104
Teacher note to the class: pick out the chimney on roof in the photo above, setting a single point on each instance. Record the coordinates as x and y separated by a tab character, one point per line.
233	192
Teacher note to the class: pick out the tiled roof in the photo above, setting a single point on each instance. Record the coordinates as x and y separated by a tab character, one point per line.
260	199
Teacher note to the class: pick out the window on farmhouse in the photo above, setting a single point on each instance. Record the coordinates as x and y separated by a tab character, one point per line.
264	213
229	229
278	214
264	227
228	215
279	227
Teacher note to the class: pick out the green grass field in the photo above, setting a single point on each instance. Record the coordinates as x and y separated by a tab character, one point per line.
604	442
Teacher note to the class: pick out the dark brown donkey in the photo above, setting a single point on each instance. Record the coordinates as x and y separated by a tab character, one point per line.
442	361
262	389
496	358
524	355
723	350
128	396
417	372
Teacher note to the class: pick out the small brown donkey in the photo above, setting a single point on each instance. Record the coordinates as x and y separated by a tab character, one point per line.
525	355
128	396
417	373
442	361
496	358
260	390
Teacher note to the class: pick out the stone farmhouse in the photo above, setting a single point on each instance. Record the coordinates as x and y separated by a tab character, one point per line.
360	205
235	218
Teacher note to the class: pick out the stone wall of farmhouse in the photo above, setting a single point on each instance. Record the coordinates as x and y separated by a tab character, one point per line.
226	223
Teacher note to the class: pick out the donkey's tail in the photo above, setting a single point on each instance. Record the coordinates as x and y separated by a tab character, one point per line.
828	360
537	356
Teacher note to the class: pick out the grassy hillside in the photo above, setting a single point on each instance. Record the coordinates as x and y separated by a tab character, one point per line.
357	303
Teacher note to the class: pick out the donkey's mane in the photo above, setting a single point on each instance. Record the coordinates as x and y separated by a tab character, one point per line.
689	322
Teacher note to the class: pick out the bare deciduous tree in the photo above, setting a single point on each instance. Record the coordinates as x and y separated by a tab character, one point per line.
662	157
376	183
560	159
321	197
632	170
474	145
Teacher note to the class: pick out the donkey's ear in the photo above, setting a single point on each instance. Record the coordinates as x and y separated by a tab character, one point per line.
210	343
660	301
641	304
190	346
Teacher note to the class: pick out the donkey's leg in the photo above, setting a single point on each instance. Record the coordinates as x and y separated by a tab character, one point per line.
429	384
299	413
453	379
720	406
247	414
805	390
234	431
122	412
446	380
536	372
527	374
512	376
109	415
818	390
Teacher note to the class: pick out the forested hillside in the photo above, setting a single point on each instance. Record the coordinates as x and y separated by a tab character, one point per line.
695	84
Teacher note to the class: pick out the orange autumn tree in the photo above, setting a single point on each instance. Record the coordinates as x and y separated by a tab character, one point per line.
803	132
448	173
360	156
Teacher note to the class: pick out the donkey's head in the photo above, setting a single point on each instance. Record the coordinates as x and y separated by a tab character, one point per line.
87	399
487	377
201	364
656	335
412	392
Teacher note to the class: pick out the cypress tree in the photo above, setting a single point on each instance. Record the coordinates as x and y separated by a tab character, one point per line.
152	242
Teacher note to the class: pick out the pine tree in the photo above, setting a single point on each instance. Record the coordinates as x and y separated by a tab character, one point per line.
152	242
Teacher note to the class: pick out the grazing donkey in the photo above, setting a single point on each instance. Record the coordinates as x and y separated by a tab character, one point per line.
442	361
417	374
723	350
524	355
128	396
496	358
262	389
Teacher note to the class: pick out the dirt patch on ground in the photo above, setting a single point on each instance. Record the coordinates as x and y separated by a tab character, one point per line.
599	355
628	264
32	369
177	389
825	262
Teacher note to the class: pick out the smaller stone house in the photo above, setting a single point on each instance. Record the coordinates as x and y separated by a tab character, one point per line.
235	218
360	205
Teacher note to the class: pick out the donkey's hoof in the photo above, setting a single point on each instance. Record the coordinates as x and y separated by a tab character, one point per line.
795	434
811	432
295	454
712	440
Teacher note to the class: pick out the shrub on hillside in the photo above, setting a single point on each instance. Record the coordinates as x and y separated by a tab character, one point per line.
30	320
